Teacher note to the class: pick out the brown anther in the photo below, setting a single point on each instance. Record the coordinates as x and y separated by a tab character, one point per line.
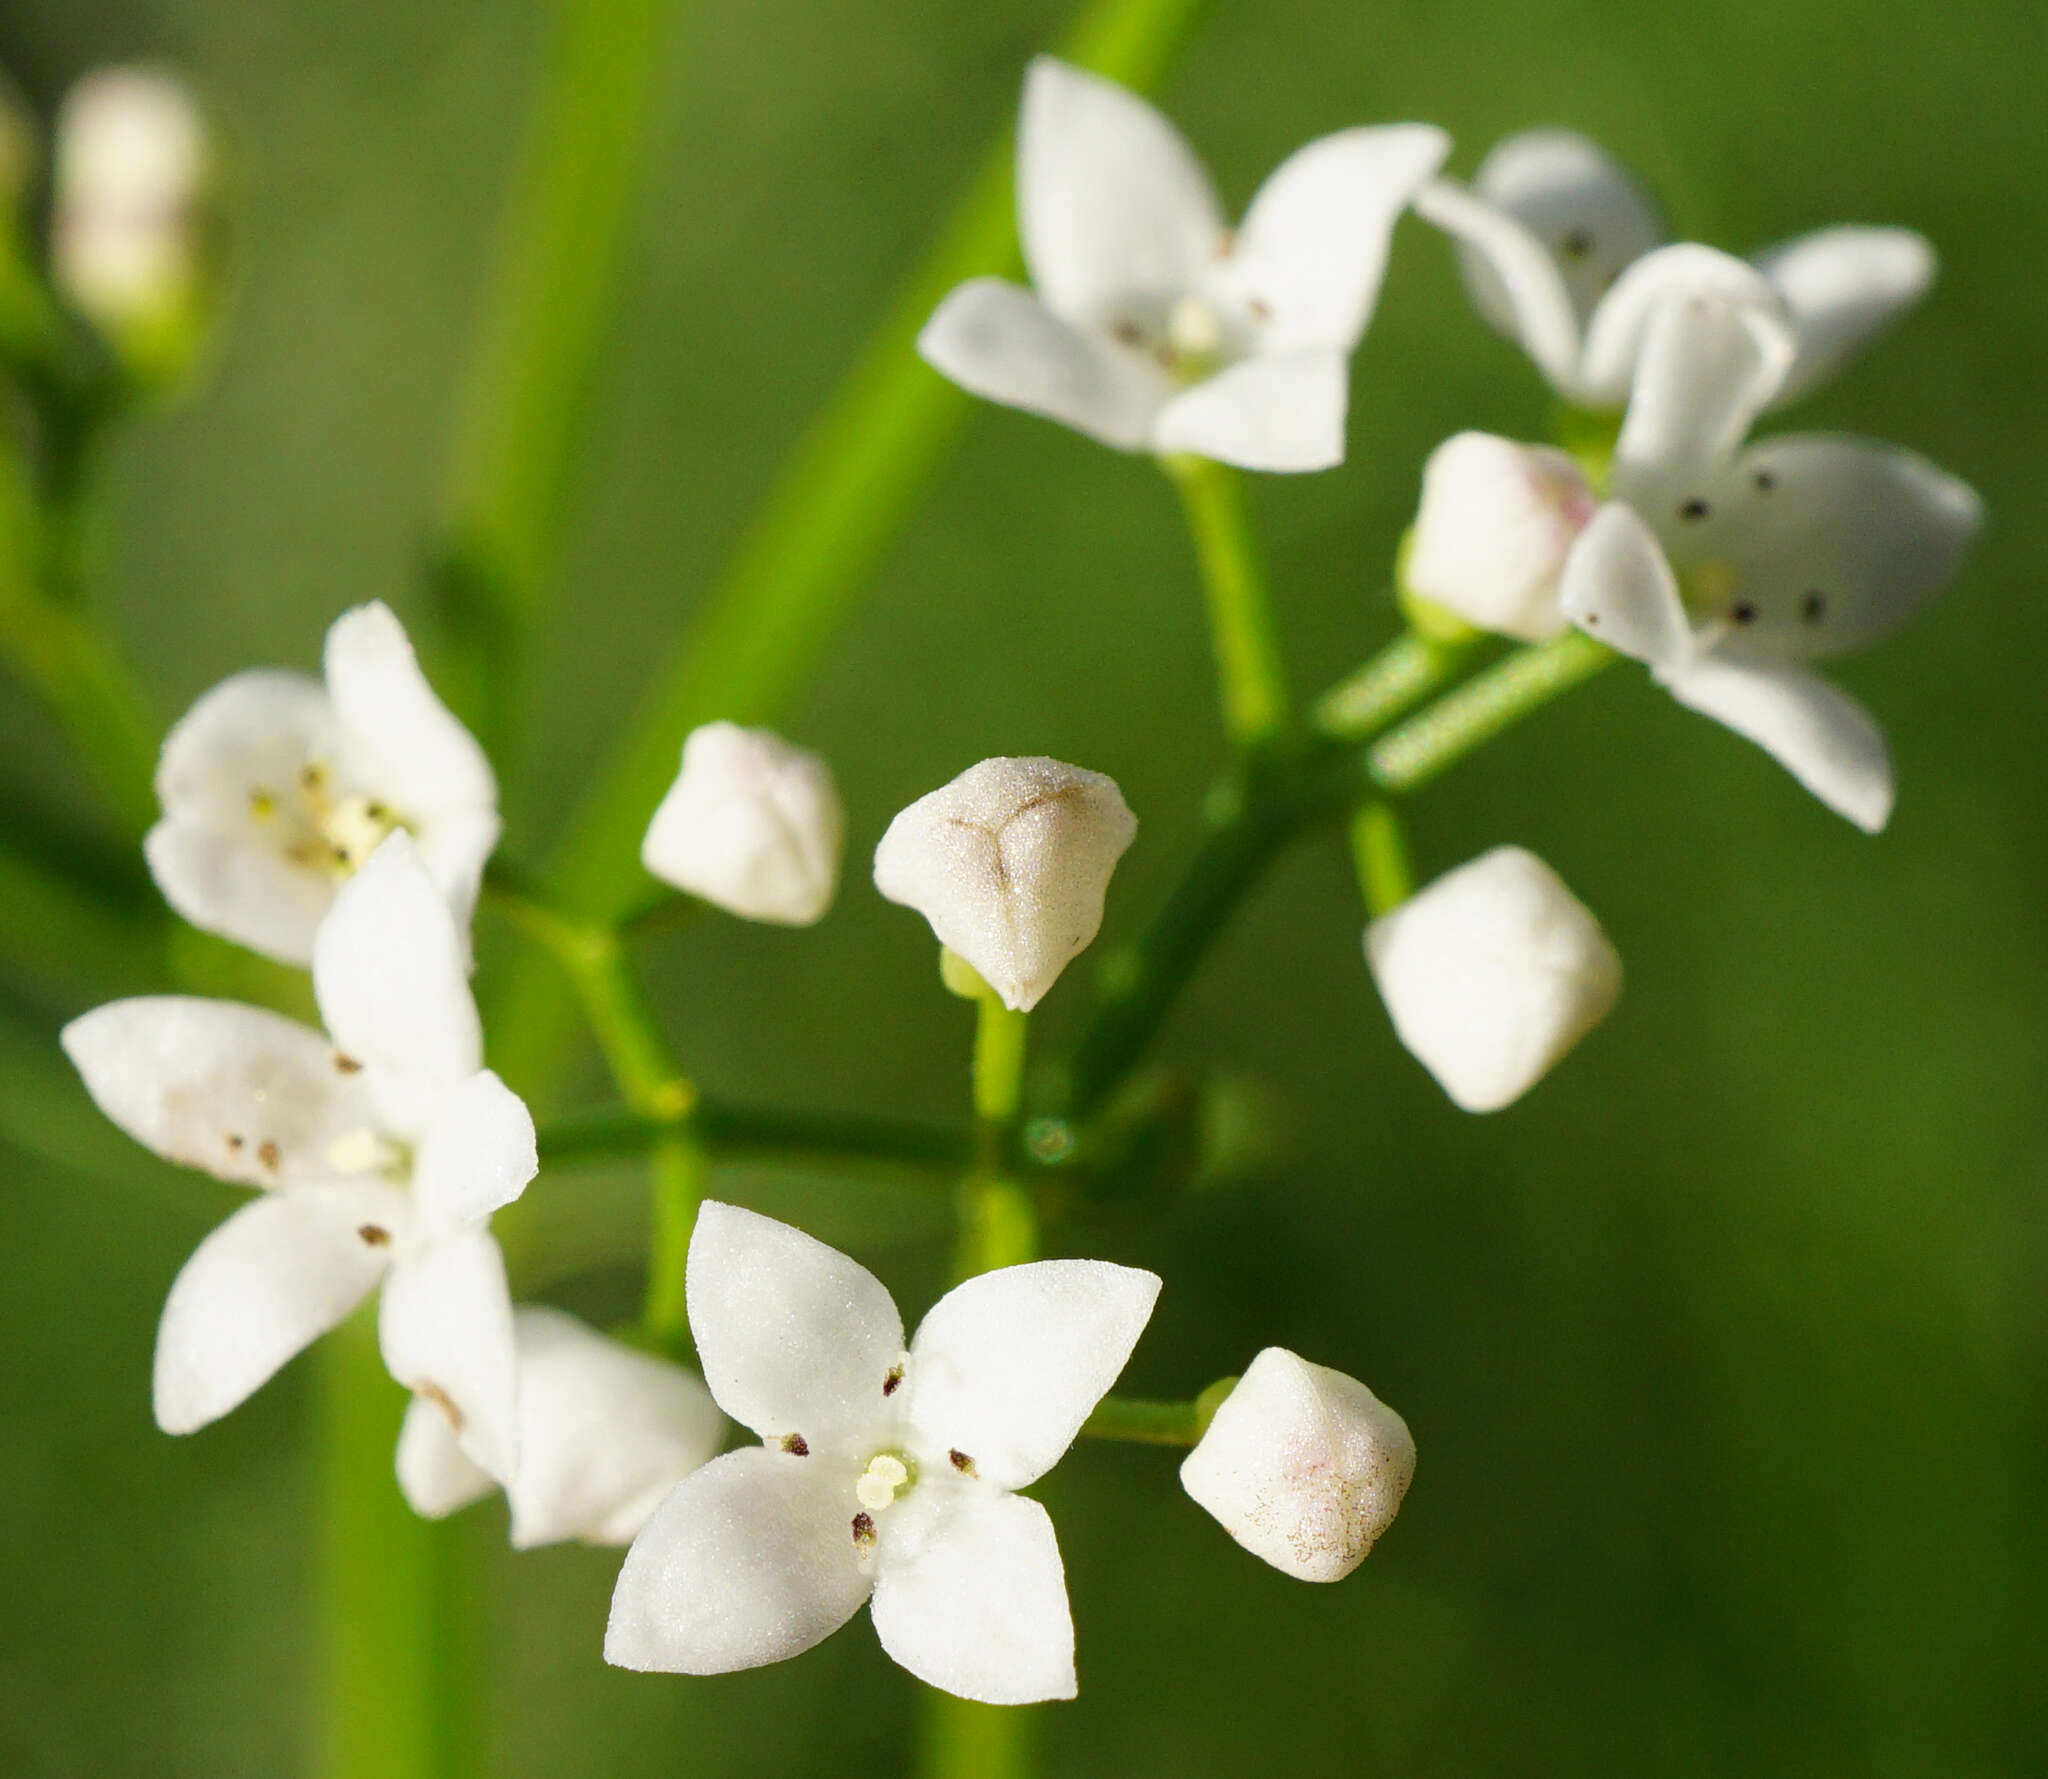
963	1463
432	1392
890	1383
1765	480
1127	333
1577	244
312	775
1813	607
236	1142
262	805
796	1445
1259	309
863	1530
374	1235
269	1154
1694	510
1745	613
346	1065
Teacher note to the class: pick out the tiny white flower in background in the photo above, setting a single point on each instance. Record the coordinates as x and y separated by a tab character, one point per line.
1563	253
605	1432
752	825
382	1148
133	163
882	1473
1010	863
1151	324
276	787
1491	974
1725	566
1496	523
1304	1466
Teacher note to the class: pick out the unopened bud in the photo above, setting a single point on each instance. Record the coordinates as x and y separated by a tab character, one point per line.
752	824
1491	974
1496	523
1010	863
1303	1466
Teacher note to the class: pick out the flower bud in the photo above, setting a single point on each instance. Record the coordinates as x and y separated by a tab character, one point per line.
751	824
1491	974
1303	1466
1496	523
131	245
1009	863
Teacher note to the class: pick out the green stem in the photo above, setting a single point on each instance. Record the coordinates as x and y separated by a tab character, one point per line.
1482	708
1400	676
730	1129
1249	670
390	1697
1379	854
997	1220
542	339
1145	1423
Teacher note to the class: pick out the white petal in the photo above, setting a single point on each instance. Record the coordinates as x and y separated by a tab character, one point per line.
1112	206
248	1095
1617	336
1010	863
751	824
1618	587
1496	523
1312	249
1000	342
1284	413
455	844
1707	369
749	1560
1491	974
228	782
276	1275
1843	285
476	1155
390	971
429	760
1513	279
434	1473
446	1328
1818	733
1590	215
1303	1466
1832	543
1008	1365
605	1432
793	1336
978	1606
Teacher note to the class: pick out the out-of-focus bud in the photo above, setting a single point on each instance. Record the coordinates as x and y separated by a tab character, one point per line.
134	243
1010	863
752	825
1496	523
1303	1466
1491	974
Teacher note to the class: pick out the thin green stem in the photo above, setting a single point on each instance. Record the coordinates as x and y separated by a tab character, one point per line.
390	1692
541	344
1482	708
1379	854
677	1188
1145	1423
1250	673
1399	677
997	1220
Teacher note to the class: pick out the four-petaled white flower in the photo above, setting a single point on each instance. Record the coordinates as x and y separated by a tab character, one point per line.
752	825
275	788
1491	974
1151	324
1725	566
1304	1466
382	1146
1010	863
882	1472
605	1432
1562	253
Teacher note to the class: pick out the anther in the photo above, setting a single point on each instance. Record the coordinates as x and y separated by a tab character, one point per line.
1693	510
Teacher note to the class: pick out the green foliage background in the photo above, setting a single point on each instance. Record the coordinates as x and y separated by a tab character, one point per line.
1725	1350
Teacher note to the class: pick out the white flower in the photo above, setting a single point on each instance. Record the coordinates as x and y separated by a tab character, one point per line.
882	1472
1152	325
1728	565
1496	522
751	824
275	788
132	165
604	1433
1491	974
1303	1466
1561	252
382	1147
1010	863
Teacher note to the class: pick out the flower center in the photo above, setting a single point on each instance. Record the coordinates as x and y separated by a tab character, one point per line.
330	832
1193	348
368	1151
888	1475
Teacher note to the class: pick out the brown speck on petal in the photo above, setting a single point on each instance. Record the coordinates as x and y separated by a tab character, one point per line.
346	1065
374	1235
432	1392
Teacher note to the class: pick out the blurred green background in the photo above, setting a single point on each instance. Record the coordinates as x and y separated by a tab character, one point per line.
1726	1350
